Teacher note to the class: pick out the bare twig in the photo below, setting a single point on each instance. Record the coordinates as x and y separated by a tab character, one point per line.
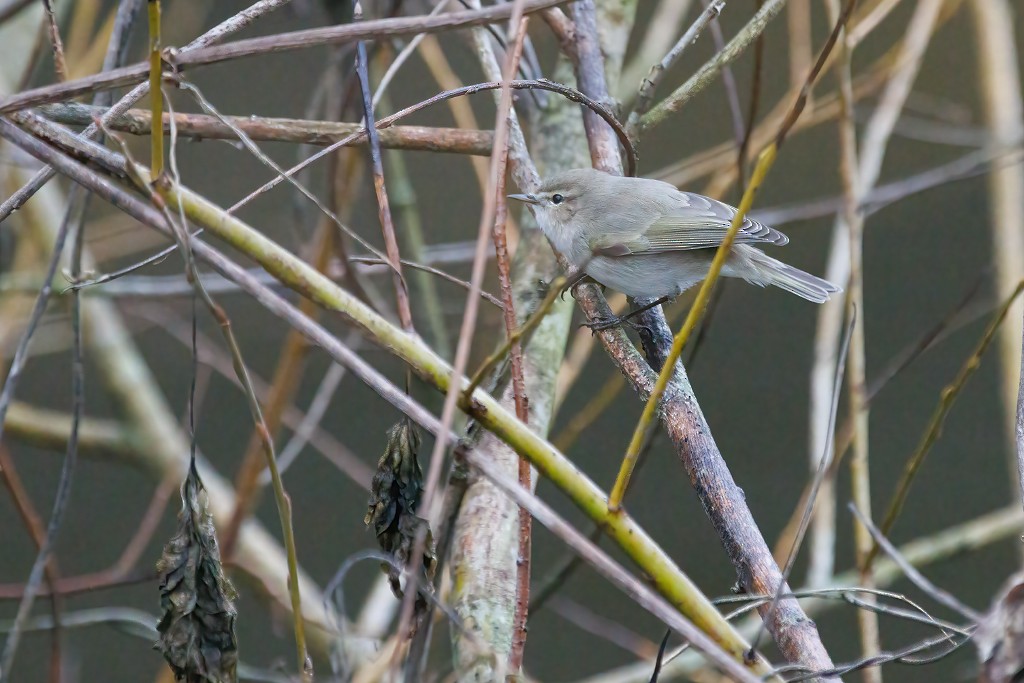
155	186
383	207
999	79
645	96
67	472
218	32
820	474
542	84
433	271
468	327
363	30
939	595
263	129
867	620
298	275
334	35
156	98
34	525
519	397
684	93
947	397
59	63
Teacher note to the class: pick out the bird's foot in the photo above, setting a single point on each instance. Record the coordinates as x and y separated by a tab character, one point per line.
601	324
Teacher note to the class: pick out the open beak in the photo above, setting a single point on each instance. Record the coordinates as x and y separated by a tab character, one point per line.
526	198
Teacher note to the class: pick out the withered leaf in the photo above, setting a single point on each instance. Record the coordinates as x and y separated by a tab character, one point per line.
394	496
197	629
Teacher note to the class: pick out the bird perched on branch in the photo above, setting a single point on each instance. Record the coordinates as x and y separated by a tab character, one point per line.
647	239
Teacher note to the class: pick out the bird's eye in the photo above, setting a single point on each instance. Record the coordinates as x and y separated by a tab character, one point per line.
557	199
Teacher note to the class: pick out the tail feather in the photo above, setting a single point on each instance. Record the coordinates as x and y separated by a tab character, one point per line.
793	280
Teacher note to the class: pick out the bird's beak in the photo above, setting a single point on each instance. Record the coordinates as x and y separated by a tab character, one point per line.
526	198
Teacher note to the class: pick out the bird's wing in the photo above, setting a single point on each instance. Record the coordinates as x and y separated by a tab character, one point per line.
699	223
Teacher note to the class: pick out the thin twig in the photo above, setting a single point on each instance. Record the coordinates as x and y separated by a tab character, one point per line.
59	62
218	32
266	129
333	35
375	29
666	577
63	493
820	476
541	84
999	84
645	95
732	91
155	187
34	525
755	102
468	327
516	337
853	222
519	397
433	271
947	397
156	98
387	226
704	76
939	595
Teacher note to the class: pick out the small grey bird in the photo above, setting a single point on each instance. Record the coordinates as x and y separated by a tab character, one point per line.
645	238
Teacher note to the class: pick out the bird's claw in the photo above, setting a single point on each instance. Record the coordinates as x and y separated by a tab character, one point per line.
602	324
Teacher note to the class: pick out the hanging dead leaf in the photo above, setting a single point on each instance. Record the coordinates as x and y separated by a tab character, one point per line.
197	630
394	496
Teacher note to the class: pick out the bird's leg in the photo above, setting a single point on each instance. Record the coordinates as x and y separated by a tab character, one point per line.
573	281
616	320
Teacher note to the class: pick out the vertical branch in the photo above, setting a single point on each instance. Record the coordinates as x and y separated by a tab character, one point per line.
67	471
59	63
504	116
515	657
383	207
156	101
860	172
590	77
853	221
755	101
403	195
999	77
490	590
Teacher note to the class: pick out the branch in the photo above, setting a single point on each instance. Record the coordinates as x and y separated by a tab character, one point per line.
707	73
265	129
665	576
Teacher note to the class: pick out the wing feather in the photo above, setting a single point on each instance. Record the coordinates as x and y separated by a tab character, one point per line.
698	222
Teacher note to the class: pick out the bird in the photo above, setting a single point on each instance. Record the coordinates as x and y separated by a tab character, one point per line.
648	239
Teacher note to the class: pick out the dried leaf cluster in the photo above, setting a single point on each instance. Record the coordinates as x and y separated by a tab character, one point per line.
394	495
197	630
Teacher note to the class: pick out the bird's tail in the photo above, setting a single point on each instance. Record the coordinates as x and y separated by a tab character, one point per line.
793	280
